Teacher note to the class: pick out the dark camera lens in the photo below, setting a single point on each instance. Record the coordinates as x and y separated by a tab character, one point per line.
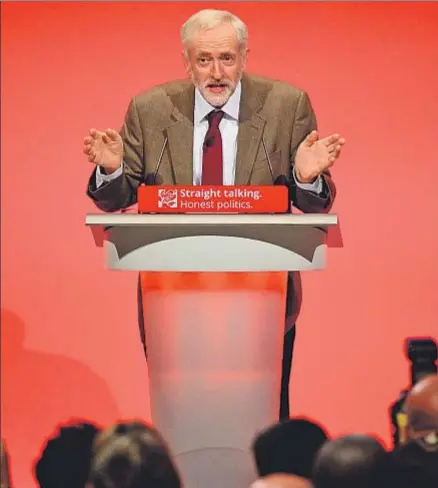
423	354
423	350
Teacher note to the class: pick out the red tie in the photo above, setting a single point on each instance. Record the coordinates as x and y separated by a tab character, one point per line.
212	162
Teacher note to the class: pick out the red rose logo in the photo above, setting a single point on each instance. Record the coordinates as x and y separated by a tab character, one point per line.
167	198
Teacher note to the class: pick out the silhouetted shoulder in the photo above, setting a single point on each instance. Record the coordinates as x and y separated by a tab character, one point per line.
4	462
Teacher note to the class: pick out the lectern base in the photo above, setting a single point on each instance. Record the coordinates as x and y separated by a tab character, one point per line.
214	356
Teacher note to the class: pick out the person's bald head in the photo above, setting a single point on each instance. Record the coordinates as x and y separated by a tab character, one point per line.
358	461
421	408
281	481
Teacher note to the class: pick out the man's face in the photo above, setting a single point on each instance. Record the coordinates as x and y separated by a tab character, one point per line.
215	63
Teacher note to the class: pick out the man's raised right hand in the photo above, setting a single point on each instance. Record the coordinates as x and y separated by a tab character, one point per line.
104	149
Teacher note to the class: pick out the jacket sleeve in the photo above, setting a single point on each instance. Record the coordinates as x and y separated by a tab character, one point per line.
304	200
121	192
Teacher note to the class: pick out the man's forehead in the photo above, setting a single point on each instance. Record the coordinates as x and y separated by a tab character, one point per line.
220	37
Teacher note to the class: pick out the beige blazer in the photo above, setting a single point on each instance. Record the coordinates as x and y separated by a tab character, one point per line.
277	111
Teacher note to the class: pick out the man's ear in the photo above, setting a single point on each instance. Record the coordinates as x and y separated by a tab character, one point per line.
186	62
245	57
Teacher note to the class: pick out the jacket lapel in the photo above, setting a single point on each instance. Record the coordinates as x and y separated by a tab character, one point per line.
180	135
251	126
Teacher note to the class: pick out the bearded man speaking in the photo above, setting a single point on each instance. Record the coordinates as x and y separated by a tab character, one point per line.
218	102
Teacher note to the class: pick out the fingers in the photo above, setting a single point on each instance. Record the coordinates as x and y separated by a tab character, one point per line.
91	141
112	134
107	136
88	144
334	145
90	152
335	151
97	134
331	139
333	156
311	138
88	149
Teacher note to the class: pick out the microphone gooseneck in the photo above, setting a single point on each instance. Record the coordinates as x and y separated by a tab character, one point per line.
157	166
268	159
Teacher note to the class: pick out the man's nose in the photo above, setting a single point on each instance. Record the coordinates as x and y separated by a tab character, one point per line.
216	70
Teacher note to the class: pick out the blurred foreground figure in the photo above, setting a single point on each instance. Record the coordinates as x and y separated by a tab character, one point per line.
288	447
416	460
421	408
353	461
132	455
281	481
66	458
5	480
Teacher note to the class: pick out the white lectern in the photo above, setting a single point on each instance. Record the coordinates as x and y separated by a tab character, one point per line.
214	291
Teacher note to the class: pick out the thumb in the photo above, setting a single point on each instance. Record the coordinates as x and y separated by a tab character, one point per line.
311	138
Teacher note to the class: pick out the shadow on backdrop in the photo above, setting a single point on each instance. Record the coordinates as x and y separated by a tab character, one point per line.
38	392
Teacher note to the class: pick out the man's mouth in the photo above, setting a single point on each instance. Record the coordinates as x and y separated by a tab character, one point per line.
217	88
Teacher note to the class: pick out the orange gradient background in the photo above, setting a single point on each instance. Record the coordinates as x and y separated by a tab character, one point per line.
70	343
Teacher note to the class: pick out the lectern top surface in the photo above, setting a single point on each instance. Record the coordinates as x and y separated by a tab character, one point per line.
119	219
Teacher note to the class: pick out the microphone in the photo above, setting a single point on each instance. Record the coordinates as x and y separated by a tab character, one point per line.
268	159
157	166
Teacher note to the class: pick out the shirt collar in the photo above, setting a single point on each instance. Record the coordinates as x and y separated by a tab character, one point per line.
231	108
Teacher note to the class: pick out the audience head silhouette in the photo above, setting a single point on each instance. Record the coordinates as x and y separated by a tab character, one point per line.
132	455
357	461
281	481
288	447
66	458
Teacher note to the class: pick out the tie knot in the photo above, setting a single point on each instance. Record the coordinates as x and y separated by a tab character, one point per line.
214	118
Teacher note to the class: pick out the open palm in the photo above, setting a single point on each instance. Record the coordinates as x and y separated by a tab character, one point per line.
104	148
316	155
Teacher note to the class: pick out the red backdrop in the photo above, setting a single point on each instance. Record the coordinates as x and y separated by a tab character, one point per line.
70	343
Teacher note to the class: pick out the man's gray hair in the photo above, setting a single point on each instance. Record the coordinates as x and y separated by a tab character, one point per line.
209	18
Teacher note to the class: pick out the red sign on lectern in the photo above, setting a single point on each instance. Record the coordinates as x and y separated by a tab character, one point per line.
213	199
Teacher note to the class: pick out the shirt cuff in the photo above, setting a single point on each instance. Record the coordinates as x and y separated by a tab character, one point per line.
315	187
103	178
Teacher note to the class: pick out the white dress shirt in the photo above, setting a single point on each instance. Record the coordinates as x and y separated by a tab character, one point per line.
228	127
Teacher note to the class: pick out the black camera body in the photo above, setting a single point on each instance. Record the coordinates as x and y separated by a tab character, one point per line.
422	354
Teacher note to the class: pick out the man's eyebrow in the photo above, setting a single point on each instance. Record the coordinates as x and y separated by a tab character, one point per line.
223	53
